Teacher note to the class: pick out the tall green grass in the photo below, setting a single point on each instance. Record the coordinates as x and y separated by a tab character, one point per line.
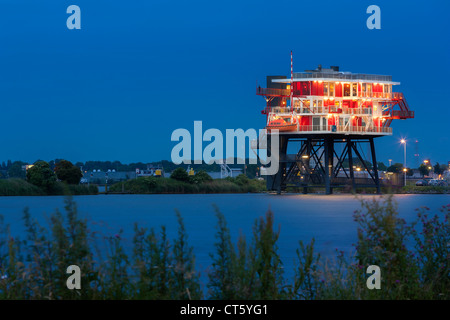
168	185
413	257
425	189
20	187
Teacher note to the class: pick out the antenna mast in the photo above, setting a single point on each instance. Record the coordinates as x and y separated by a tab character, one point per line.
292	85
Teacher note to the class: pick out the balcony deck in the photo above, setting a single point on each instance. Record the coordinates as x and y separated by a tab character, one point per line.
348	76
361	94
284	111
339	130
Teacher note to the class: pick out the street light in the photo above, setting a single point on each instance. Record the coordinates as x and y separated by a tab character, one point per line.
403	141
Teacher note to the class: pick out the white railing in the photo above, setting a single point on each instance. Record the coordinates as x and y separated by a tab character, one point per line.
341	76
344	129
322	110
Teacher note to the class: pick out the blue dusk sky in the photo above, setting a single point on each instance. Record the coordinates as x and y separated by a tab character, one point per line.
137	70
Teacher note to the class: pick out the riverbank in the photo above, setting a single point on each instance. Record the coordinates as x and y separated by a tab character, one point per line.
384	190
425	190
20	187
150	185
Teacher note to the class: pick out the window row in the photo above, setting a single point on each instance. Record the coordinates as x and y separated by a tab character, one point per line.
339	89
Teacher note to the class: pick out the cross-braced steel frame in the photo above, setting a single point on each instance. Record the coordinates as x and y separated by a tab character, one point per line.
324	161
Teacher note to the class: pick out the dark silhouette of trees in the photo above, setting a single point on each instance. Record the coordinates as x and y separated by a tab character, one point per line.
67	172
42	176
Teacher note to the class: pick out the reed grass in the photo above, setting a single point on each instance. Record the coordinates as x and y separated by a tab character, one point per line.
20	187
149	185
413	257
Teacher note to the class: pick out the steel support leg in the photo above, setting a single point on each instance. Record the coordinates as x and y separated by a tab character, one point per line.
350	164
375	165
328	164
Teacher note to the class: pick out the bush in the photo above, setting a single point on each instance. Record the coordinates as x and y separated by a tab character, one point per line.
200	177
180	174
242	180
382	239
67	172
42	176
432	245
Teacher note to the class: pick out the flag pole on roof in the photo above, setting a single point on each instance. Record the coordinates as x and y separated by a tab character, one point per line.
292	85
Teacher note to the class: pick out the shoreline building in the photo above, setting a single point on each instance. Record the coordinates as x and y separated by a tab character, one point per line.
329	114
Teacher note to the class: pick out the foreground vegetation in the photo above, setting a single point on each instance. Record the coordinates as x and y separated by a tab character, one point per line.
20	187
413	258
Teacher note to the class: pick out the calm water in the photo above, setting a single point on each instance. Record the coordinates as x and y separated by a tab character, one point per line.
301	217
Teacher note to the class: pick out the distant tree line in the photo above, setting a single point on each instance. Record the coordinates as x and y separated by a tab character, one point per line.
41	173
424	170
14	169
41	179
398	167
